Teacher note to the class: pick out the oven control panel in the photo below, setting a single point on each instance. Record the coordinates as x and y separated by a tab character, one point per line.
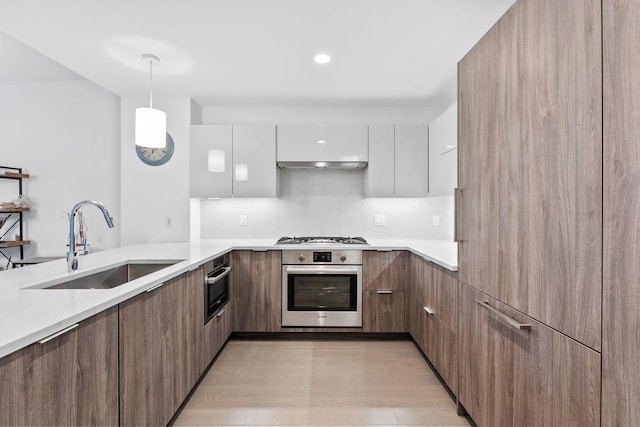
322	257
307	256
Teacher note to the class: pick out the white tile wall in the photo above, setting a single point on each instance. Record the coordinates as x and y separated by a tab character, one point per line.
326	202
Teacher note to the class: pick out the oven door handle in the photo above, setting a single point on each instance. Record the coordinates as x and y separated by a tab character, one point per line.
212	280
322	270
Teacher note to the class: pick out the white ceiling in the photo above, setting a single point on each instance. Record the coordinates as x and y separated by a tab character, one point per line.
253	52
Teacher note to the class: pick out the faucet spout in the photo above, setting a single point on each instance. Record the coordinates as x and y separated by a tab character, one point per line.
72	254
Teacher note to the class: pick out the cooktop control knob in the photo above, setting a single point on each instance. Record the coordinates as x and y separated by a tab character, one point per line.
343	258
301	257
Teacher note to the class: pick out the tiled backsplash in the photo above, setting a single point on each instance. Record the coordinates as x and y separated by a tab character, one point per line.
326	202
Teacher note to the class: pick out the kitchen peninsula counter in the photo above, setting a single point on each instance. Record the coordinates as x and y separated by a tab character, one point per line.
29	313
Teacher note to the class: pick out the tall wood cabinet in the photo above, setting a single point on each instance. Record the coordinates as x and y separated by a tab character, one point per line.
620	346
68	380
530	216
530	153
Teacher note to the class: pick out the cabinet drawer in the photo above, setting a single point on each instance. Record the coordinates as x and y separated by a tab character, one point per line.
384	270
216	332
524	377
383	311
441	349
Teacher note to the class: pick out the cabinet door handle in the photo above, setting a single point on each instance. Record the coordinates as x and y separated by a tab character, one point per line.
429	310
384	292
220	313
457	193
57	334
504	317
155	287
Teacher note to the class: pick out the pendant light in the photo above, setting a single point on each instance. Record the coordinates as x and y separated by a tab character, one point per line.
151	123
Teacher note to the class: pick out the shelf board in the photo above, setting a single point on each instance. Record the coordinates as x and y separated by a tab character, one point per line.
13	243
15	175
13	210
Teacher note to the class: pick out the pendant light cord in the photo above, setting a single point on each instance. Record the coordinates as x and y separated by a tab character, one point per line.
150	83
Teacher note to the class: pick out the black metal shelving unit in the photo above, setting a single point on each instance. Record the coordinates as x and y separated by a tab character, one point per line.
16	174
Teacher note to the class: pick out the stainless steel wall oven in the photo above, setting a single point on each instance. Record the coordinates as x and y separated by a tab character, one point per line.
216	283
322	288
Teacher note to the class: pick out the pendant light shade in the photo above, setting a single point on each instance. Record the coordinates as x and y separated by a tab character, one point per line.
151	124
151	128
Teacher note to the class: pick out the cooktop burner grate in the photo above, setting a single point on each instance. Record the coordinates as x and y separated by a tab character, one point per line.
321	240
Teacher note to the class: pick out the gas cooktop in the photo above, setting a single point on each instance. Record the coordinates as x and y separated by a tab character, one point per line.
321	240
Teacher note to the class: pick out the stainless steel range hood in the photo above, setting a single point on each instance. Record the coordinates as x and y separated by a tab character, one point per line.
323	165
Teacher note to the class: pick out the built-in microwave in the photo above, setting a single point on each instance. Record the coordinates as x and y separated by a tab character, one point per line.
216	284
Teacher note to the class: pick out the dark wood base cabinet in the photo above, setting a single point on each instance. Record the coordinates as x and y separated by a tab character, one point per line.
257	282
532	376
217	331
161	349
432	316
383	311
69	380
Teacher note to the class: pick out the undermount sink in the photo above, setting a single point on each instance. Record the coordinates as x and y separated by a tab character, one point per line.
114	276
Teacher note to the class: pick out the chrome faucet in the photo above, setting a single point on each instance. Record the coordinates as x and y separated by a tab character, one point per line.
72	254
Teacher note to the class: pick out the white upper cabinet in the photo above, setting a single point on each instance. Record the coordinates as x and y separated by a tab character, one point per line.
255	173
443	155
322	143
248	153
398	161
380	180
204	183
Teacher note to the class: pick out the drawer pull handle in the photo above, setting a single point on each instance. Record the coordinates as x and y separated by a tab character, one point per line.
220	313
504	317
384	292
429	310
57	334
155	287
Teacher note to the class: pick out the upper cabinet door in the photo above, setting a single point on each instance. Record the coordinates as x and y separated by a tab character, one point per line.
530	146
322	143
411	161
398	161
380	179
255	173
204	183
443	157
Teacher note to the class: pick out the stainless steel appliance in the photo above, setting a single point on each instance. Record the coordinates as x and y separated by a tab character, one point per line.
216	286
322	288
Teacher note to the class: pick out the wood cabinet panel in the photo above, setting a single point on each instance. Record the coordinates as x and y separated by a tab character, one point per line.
523	377
256	279
620	347
188	339
530	150
147	358
416	298
441	348
69	380
383	312
445	288
217	331
384	270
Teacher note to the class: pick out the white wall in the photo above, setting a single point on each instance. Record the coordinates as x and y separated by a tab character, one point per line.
66	135
326	202
152	194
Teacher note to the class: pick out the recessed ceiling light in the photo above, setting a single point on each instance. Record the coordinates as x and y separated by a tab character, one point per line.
321	141
322	58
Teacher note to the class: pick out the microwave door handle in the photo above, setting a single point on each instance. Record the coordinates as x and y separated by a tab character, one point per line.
298	270
212	280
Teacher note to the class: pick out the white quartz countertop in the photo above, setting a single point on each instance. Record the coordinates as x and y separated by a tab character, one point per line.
29	313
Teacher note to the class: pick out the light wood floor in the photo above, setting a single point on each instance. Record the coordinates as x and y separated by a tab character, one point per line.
329	383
